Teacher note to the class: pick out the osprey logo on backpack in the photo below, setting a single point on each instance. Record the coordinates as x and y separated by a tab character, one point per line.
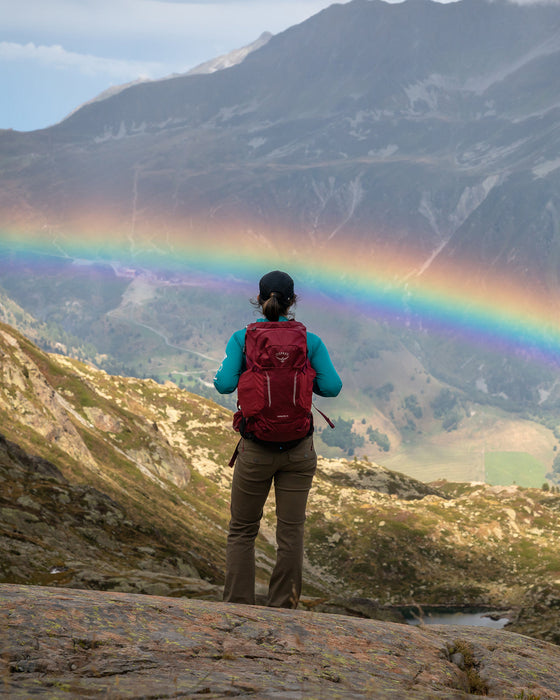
275	392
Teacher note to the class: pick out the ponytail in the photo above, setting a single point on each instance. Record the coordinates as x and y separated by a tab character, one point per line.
275	306
272	309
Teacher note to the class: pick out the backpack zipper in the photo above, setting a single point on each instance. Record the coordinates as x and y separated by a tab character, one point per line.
295	389
268	389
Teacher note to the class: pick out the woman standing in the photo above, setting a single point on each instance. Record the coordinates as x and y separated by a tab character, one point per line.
289	463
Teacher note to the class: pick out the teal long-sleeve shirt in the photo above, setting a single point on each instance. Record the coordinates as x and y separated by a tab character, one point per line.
326	383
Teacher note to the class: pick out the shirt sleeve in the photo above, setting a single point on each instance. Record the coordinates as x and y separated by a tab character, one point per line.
327	382
230	370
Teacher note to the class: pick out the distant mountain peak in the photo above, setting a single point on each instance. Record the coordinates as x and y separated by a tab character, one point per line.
226	60
230	59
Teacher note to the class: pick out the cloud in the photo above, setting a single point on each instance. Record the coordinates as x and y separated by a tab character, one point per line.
144	18
59	58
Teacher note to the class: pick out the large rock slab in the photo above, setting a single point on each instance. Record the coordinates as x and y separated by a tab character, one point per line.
63	643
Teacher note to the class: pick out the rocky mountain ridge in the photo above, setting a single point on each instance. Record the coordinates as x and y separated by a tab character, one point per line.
232	58
219	63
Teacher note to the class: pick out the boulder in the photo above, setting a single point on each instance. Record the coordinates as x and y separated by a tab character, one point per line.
69	643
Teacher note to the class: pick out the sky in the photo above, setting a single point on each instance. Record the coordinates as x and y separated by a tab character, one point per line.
57	54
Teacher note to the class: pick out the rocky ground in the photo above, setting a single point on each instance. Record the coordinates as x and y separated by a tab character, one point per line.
53	532
62	643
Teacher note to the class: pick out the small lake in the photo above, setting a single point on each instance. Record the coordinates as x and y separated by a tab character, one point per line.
478	619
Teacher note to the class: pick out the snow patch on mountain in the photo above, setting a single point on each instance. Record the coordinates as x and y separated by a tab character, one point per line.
546	167
425	93
483	155
385	152
257	142
114	134
471	199
227	113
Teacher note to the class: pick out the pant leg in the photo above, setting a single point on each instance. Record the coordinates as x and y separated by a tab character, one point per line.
292	482
252	478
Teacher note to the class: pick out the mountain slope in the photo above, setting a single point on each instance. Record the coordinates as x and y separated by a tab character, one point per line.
120	442
127	489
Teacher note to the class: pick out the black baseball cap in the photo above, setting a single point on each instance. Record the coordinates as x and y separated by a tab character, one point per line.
276	281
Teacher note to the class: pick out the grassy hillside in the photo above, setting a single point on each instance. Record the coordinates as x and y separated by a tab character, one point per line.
120	483
148	447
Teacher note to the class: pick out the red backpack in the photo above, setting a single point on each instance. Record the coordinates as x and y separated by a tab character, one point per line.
275	392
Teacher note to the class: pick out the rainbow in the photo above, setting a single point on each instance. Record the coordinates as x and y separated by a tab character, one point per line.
389	285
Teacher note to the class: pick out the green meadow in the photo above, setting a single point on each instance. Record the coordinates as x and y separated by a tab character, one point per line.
520	468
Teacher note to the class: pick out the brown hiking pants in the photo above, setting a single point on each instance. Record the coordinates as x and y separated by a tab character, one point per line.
255	470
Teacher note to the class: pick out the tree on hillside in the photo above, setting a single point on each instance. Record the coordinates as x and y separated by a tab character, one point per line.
343	436
385	391
411	404
379	438
443	403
